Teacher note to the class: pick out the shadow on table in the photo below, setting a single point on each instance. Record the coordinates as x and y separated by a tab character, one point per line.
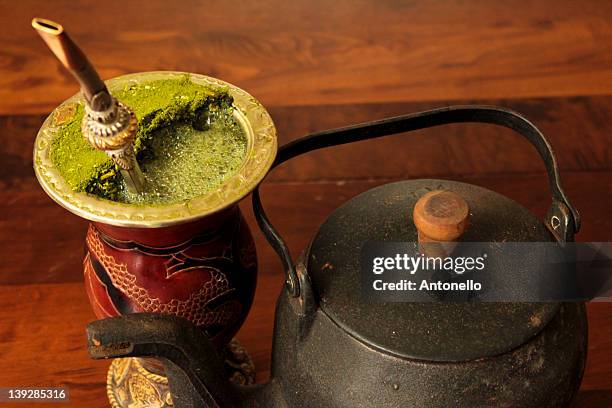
593	399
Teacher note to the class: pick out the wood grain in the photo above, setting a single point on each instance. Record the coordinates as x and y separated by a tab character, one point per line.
313	52
578	128
42	244
38	349
315	65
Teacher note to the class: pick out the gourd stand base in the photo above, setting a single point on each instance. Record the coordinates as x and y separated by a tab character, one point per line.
130	385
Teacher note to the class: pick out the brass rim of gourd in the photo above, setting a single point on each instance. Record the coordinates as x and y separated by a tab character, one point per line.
260	154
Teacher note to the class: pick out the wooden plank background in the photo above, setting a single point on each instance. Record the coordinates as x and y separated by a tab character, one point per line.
315	65
318	51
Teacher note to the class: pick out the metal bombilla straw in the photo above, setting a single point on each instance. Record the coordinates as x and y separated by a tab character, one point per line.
108	125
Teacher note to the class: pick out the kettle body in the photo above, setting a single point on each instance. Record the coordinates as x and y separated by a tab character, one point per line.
329	368
331	349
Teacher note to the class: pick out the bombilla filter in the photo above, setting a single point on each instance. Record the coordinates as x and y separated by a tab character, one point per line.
108	124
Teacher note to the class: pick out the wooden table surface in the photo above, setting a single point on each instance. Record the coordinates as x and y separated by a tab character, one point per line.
315	65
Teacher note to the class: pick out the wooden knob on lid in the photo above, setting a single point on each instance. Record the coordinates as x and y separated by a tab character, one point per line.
440	216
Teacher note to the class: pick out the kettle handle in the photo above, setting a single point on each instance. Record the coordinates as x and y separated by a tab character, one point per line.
562	218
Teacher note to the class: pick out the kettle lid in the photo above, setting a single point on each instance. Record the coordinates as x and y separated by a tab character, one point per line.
433	331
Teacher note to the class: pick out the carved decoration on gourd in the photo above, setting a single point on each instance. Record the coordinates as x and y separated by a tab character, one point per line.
209	279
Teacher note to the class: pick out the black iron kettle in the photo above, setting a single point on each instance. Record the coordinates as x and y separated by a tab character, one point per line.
331	349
